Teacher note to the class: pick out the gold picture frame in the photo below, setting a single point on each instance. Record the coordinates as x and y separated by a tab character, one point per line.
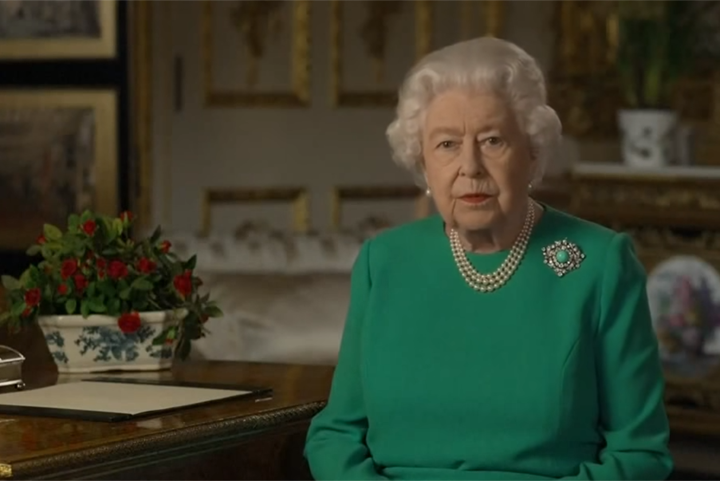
493	15
341	194
583	86
64	46
298	96
60	156
141	58
297	197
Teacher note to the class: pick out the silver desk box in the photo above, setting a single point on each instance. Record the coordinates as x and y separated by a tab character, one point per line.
11	363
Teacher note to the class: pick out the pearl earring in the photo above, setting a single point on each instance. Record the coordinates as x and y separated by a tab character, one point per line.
427	192
530	186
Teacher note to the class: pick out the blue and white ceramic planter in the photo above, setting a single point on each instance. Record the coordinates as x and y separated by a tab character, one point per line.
96	343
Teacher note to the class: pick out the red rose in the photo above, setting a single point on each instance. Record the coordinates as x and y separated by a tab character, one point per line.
126	216
146	266
81	283
117	270
32	297
165	246
89	227
183	284
129	322
62	289
100	263
68	268
41	240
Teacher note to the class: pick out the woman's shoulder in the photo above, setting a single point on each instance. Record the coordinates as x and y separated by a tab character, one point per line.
601	245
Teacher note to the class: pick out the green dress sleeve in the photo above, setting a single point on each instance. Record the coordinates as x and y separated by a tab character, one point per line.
631	384
335	447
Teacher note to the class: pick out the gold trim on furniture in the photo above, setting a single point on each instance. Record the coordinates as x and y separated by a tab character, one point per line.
296	196
493	16
373	193
104	105
299	96
68	48
141	58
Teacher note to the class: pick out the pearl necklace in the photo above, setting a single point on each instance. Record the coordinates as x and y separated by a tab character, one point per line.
495	280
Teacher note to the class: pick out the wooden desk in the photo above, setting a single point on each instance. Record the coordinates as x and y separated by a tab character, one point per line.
234	440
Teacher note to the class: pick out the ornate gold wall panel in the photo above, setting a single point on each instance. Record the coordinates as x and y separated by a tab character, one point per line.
297	198
373	193
474	19
583	85
252	19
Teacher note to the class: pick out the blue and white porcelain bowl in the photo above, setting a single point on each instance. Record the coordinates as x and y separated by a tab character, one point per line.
96	343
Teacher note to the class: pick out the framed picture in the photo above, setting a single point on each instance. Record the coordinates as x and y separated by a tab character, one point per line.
57	29
59	156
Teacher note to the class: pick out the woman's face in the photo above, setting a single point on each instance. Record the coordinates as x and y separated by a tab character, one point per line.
477	160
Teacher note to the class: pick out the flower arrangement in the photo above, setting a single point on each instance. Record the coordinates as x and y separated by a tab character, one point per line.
96	267
659	43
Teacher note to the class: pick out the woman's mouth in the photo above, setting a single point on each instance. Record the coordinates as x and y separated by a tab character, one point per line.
475	198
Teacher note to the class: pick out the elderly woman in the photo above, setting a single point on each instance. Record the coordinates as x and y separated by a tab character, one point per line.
501	339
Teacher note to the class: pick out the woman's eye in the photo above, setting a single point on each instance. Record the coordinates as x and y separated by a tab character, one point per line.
493	141
446	144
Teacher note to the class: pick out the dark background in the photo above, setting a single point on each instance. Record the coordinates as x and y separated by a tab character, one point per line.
73	74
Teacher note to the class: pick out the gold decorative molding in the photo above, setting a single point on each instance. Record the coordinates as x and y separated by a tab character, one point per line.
299	94
490	20
343	194
67	47
298	198
583	84
141	62
681	201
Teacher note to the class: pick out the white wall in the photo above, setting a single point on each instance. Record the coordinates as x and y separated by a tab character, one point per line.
319	146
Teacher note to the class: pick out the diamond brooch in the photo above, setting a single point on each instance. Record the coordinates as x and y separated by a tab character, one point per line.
563	256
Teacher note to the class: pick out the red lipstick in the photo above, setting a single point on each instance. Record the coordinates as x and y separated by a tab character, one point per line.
475	198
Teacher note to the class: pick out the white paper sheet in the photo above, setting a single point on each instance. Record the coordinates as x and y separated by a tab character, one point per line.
111	397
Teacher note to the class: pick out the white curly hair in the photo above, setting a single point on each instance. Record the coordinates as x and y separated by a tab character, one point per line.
485	63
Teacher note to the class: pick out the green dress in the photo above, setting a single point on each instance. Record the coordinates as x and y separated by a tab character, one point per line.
548	377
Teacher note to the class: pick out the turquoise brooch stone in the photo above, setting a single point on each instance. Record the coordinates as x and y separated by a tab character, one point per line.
563	256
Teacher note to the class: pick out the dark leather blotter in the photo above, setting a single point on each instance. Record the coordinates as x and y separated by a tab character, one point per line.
115	399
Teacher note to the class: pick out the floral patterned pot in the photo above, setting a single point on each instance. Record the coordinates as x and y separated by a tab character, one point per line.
97	343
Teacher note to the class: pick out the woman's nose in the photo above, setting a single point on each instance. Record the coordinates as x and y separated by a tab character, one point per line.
471	160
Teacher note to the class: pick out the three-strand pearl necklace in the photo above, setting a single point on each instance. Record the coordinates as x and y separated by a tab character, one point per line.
495	280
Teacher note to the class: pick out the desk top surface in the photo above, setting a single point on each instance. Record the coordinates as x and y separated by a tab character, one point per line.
39	445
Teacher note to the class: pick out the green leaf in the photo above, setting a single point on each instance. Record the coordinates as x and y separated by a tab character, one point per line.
114	307
10	283
156	235
84	308
125	294
142	284
106	288
92	289
25	277
18	309
183	349
70	306
51	232
190	264
117	227
213	311
73	222
33	250
97	305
